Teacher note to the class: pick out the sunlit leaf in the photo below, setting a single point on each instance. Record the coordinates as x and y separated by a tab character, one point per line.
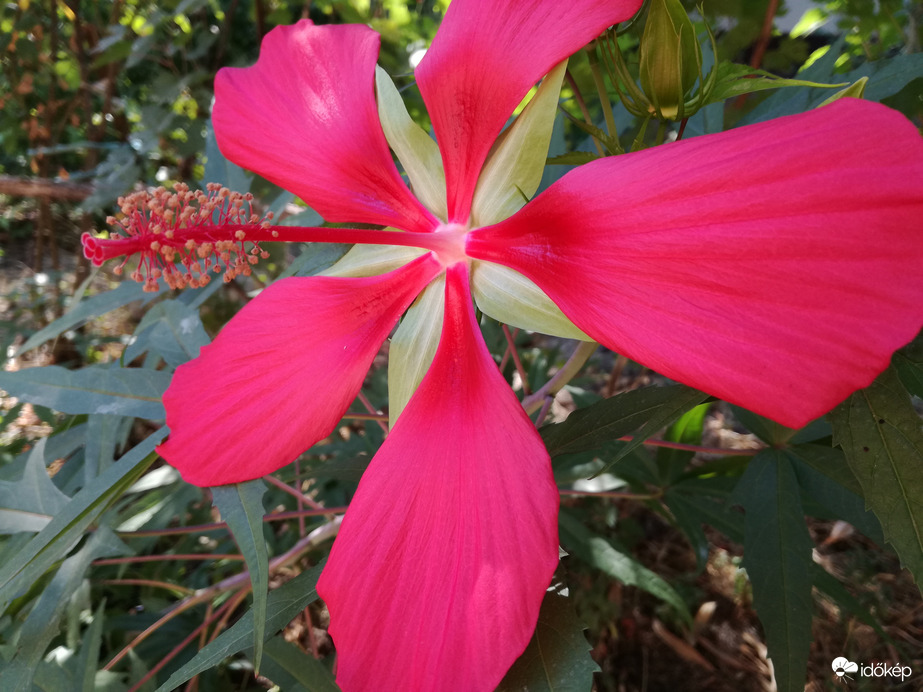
95	389
644	410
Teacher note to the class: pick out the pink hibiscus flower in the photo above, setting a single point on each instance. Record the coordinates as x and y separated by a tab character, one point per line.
776	266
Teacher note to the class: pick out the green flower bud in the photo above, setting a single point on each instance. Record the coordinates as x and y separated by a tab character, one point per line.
671	60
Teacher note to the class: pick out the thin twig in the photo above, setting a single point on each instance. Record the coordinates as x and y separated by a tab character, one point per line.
543	413
568	371
161	558
301	497
372	410
220	525
514	354
612	494
147	582
578	97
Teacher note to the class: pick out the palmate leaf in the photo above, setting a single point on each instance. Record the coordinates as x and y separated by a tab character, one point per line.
293	670
87	659
29	503
597	552
824	476
241	506
687	430
96	389
909	364
736	80
31	561
282	605
41	626
645	410
778	559
557	658
880	435
172	329
89	309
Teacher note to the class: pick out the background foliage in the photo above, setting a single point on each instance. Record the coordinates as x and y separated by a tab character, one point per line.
703	535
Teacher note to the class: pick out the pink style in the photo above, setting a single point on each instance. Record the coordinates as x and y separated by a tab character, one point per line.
776	266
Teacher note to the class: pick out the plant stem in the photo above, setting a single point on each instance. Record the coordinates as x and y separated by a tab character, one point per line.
568	371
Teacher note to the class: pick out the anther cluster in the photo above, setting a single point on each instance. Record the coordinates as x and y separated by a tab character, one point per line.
183	235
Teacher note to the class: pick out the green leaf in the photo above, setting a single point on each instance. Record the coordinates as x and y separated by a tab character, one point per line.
172	329
104	434
778	559
649	409
687	430
29	503
824	487
909	364
735	80
888	77
95	389
770	432
282	606
218	169
557	658
88	656
831	462
573	158
597	552
19	571
42	624
89	309
241	506
879	432
298	668
704	500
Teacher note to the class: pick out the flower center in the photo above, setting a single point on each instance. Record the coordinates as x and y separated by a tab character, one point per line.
450	239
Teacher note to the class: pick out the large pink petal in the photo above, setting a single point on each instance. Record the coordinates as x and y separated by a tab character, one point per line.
776	266
436	577
486	56
304	116
282	372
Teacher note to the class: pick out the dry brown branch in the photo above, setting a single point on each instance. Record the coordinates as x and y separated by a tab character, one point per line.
43	188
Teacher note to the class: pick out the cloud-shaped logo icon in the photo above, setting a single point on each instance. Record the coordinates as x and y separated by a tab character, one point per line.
841	666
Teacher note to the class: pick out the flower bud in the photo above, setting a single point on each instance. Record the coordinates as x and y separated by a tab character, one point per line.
671	60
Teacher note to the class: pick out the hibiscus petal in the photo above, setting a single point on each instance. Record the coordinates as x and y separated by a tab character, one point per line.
440	566
485	57
776	266
282	372
305	117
